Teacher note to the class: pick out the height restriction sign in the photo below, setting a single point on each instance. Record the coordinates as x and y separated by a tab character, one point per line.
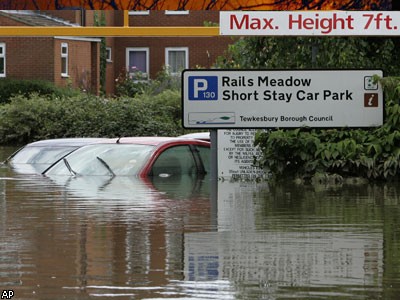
310	23
281	98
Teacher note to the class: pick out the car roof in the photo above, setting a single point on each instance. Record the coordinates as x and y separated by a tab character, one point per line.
56	143
144	140
197	135
65	142
151	140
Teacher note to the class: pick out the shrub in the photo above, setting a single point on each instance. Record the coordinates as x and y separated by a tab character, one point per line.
305	153
164	81
11	87
131	83
36	117
168	100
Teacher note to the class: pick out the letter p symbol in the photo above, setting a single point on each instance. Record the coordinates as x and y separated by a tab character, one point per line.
203	88
199	85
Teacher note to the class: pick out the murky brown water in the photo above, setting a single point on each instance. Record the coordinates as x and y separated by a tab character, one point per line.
96	238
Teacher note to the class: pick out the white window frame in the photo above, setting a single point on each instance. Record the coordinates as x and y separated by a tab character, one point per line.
176	12
169	49
3	57
146	75
64	56
108	54
139	12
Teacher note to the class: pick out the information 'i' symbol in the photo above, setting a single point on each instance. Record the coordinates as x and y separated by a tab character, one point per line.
371	100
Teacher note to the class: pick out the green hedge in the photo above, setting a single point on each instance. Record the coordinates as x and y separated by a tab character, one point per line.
308	154
11	87
36	117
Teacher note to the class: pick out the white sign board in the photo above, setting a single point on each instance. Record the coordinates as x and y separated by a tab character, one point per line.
236	154
281	98
310	23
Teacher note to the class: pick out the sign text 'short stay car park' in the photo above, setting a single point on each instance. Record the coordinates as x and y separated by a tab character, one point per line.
281	98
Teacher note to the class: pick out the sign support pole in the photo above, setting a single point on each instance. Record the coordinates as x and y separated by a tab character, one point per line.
214	154
214	174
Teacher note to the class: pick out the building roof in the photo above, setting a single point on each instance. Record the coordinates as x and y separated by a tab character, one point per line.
33	18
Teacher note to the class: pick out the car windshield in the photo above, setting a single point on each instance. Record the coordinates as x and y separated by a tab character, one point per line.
40	155
103	159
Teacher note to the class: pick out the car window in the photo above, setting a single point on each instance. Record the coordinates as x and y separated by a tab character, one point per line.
104	159
40	155
204	153
176	160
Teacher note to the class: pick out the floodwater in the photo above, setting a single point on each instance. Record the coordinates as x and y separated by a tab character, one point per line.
97	238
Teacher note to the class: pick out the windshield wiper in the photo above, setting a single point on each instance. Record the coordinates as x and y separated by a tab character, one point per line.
69	167
106	165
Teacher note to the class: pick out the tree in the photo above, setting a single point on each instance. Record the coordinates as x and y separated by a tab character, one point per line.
313	52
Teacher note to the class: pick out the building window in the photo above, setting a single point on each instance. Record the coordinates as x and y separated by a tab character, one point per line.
137	63
176	12
64	59
108	54
139	12
176	60
2	60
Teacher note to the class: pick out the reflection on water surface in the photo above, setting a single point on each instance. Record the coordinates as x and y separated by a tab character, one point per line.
126	238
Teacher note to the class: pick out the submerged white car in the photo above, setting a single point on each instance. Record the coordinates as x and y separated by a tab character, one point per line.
36	157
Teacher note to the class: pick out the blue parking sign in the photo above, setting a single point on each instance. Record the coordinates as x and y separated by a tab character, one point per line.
203	88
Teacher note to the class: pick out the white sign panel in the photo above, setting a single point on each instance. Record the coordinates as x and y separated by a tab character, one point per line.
281	98
236	154
310	23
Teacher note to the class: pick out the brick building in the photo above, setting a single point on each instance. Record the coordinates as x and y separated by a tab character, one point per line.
76	60
61	60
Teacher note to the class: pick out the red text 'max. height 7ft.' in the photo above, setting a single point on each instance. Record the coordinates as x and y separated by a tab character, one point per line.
306	23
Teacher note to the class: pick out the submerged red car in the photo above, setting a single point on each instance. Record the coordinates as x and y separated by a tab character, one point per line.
137	156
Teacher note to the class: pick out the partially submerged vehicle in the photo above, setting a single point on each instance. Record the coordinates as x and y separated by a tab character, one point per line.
36	157
137	156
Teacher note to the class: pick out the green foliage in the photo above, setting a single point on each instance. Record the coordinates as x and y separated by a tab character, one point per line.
10	87
312	52
54	113
133	83
130	83
164	81
210	24
168	100
101	21
27	119
305	153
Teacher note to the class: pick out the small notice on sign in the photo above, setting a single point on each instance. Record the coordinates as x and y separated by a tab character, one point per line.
236	153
